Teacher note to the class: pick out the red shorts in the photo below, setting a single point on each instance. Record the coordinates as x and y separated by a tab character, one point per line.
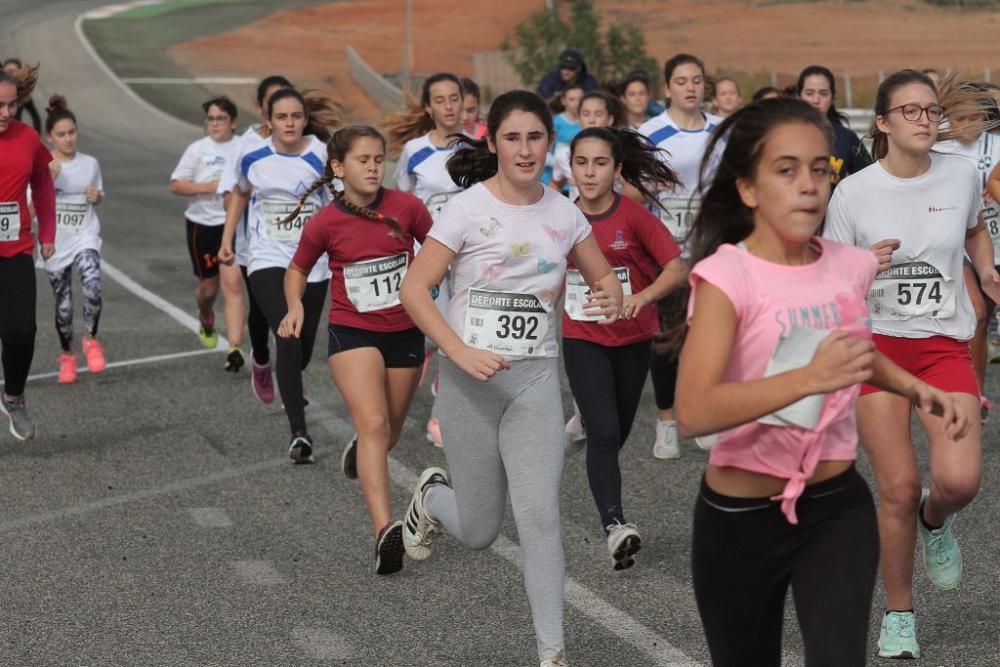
941	362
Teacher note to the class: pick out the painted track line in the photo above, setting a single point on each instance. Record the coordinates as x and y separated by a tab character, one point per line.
129	362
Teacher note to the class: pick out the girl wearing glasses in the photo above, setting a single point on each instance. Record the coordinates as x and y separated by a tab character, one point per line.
919	212
196	177
817	87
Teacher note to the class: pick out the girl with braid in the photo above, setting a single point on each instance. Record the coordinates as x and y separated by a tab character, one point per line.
281	204
375	351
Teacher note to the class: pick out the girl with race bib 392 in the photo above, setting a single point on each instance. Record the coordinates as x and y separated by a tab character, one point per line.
681	133
607	365
427	136
79	188
507	239
272	179
919	211
375	352
779	342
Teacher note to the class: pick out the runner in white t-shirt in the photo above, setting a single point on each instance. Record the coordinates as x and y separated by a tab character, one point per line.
273	178
197	176
261	378
507	239
422	170
681	132
79	188
982	149
920	213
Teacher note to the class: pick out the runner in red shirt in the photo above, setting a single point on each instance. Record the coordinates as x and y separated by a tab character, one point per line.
376	353
607	364
25	162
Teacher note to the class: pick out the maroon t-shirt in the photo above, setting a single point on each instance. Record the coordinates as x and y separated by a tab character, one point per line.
631	238
24	161
367	260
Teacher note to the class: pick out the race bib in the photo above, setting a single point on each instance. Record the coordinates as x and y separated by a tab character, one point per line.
71	213
435	203
10	221
506	323
577	291
678	213
273	214
914	289
991	216
374	284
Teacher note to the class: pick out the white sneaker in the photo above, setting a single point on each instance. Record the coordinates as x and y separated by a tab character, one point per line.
419	529
576	435
623	544
666	445
558	660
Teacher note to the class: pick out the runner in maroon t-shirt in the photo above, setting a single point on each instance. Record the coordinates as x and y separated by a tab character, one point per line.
376	353
607	364
25	162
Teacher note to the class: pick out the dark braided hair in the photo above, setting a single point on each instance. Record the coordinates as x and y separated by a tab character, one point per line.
639	159
337	149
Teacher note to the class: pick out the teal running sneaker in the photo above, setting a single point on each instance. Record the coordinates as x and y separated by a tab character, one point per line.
942	557
898	637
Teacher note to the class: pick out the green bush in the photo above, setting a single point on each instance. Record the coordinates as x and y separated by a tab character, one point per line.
538	40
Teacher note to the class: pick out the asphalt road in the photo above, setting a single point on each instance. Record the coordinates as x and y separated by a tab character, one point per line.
157	521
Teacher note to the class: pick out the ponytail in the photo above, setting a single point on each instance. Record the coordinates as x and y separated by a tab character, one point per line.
56	111
24	81
323	114
640	160
414	121
473	162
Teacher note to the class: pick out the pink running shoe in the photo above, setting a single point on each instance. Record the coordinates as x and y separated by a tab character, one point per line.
434	432
262	383
96	362
67	368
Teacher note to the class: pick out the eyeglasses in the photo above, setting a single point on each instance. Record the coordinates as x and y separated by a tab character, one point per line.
216	119
913	112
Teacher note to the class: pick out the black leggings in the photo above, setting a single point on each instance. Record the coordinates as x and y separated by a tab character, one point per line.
293	354
663	371
17	320
745	554
257	326
607	385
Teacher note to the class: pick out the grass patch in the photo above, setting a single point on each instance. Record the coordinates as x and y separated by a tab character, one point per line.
134	44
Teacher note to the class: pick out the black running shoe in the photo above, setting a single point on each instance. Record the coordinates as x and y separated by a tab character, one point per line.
300	449
389	549
349	459
234	360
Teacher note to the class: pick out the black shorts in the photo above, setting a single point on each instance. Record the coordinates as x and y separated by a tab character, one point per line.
203	247
400	349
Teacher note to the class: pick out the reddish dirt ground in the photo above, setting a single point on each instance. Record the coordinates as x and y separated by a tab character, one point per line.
731	35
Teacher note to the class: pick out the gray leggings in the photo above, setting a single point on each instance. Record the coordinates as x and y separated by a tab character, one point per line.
508	433
88	264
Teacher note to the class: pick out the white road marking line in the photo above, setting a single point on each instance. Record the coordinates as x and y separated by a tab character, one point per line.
323	644
130	362
145	494
186	320
154	110
110	10
630	630
258	572
210	517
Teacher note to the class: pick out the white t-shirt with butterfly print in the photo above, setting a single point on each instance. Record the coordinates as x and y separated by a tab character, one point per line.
511	250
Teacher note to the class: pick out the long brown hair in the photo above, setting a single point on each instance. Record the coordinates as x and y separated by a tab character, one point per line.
414	121
337	148
24	81
323	114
